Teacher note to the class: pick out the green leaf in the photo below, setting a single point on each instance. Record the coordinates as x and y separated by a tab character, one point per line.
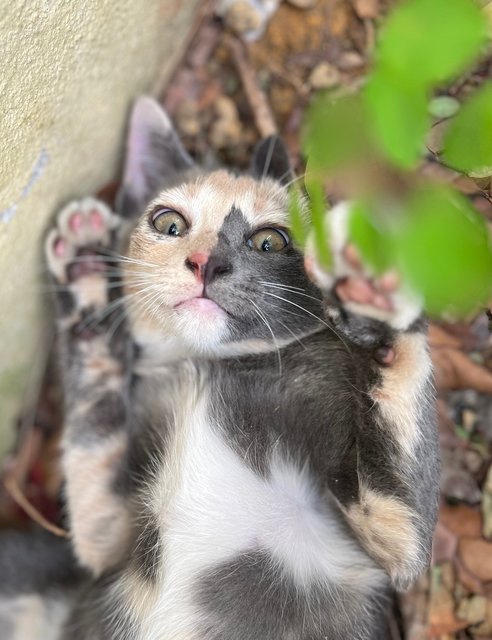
445	252
298	222
431	41
335	132
320	229
468	142
400	118
374	243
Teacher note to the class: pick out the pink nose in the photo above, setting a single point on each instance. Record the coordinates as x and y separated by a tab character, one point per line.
196	263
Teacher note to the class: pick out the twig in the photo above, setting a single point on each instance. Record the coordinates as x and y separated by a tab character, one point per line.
16	493
206	8
262	112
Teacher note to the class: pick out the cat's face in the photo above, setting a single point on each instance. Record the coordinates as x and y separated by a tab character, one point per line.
212	264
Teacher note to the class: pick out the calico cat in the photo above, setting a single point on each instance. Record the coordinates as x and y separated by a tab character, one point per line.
250	447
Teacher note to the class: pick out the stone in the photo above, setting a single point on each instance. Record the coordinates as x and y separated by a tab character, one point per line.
324	76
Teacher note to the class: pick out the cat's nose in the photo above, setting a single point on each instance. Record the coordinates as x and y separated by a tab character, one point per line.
197	262
216	266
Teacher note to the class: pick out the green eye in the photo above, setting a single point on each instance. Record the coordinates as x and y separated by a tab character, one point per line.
169	222
268	240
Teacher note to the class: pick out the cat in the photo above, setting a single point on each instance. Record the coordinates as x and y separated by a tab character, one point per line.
250	446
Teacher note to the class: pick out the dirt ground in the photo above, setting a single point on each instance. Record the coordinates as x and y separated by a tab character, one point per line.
224	96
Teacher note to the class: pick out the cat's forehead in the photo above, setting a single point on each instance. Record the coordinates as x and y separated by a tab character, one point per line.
208	199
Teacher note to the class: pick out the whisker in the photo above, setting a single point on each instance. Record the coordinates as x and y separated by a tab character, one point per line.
287	290
268	160
294	180
267	324
273	295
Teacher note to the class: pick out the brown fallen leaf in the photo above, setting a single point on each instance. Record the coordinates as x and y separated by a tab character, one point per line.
367	8
457	483
442	616
473	610
444	545
477	610
461	519
466	579
455	370
476	555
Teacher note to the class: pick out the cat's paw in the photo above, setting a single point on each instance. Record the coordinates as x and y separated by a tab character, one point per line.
352	285
76	250
82	232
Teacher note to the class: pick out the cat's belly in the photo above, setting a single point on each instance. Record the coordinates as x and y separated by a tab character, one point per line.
221	508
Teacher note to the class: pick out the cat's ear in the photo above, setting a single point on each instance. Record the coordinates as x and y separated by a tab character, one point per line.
271	159
154	156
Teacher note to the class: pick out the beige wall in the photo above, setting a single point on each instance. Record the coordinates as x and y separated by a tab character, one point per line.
68	72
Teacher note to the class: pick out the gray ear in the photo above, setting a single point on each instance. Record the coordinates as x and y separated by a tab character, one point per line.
271	159
154	156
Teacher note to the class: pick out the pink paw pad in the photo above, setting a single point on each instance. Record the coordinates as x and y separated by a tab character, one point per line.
75	222
96	220
59	247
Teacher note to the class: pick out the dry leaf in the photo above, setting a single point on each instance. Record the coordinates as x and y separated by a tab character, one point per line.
444	545
473	609
457	482
442	617
476	555
466	579
455	370
462	520
366	8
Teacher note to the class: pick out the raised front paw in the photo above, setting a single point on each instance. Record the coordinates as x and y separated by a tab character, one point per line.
77	253
354	286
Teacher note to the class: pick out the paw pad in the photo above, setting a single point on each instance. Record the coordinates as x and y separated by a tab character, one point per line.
82	230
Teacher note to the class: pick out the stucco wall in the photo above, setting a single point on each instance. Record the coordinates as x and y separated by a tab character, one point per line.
68	72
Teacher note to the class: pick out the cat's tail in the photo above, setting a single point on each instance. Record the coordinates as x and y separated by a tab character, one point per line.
39	582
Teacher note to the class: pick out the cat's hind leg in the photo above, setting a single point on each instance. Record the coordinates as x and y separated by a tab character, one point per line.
92	361
395	509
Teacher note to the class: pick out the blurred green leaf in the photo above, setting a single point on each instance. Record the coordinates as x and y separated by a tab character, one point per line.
445	251
431	41
468	142
298	223
320	228
374	244
400	118
335	132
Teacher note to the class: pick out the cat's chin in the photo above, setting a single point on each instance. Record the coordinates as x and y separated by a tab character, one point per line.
201	324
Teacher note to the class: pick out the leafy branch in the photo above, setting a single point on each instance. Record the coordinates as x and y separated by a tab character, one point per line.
373	144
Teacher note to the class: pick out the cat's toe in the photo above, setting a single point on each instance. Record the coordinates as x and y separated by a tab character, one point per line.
351	284
83	231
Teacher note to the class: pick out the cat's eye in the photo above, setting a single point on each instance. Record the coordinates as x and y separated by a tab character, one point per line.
268	240
169	222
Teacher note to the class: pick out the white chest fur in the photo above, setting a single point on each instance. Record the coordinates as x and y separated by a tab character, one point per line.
219	507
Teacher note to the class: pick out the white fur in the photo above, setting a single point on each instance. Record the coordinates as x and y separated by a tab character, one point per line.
220	508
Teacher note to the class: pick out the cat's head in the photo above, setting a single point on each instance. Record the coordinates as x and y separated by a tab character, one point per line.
211	262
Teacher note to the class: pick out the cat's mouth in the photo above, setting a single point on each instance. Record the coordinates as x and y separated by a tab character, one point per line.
201	304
